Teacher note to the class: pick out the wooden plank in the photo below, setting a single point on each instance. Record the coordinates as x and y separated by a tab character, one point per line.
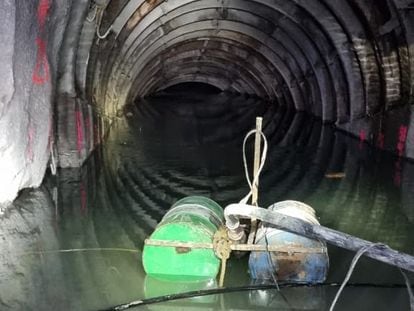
257	156
237	247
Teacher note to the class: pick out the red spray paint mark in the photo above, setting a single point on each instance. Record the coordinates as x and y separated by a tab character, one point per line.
362	138
42	13
95	135
79	131
402	139
41	71
88	129
381	141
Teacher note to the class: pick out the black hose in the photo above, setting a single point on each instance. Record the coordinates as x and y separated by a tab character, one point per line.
225	290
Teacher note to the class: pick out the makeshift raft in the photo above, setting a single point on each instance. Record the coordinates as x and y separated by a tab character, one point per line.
190	242
196	237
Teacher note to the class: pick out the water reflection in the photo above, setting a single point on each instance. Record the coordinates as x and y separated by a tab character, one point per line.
156	288
174	145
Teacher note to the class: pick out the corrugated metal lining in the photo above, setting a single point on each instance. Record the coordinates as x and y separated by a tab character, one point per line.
331	58
350	62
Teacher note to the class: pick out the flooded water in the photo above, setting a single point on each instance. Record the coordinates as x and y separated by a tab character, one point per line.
178	144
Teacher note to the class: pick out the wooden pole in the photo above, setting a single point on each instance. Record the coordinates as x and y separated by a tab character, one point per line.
255	186
188	246
257	153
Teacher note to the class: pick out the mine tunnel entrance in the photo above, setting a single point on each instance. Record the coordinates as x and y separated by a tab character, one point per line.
138	103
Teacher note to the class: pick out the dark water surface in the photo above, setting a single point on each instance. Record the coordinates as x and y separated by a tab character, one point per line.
178	144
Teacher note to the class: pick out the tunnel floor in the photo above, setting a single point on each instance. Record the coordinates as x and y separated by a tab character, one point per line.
179	143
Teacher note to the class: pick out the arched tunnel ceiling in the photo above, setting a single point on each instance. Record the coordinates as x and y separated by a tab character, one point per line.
339	60
69	67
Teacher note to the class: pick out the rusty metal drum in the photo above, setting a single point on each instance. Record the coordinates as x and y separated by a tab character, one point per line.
300	260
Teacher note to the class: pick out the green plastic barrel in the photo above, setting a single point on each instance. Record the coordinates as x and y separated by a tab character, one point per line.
192	219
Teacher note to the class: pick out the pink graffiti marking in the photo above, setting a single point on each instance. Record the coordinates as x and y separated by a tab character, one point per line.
42	13
87	130
381	141
79	131
402	139
362	138
41	72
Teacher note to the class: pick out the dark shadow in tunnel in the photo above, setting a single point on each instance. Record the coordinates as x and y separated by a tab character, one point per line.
196	87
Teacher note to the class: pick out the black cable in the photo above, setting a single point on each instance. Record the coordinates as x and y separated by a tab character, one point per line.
273	271
225	290
270	261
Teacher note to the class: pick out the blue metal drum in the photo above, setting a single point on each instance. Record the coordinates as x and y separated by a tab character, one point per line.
297	259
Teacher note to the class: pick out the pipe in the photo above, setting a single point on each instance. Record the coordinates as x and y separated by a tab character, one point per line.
234	212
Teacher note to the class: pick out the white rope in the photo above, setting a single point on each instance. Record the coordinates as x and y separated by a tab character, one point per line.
358	255
270	261
410	291
101	37
246	169
98	24
95	11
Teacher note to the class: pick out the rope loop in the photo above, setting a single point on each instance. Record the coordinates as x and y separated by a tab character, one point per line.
262	163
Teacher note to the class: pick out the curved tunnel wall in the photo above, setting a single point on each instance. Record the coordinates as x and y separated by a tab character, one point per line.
349	62
28	69
340	60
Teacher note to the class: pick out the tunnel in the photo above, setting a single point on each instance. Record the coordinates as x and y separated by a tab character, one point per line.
111	110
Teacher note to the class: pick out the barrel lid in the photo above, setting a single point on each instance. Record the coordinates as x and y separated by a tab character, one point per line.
291	208
295	209
203	201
